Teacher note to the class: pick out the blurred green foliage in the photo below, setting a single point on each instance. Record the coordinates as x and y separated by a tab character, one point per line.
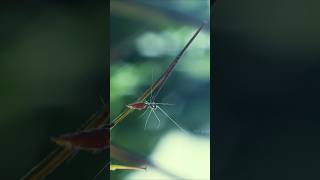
52	72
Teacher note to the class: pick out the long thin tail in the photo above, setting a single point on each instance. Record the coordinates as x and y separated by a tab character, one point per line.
166	104
175	61
145	125
174	122
155	114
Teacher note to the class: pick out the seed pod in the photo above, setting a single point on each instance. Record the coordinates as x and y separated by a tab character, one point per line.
137	106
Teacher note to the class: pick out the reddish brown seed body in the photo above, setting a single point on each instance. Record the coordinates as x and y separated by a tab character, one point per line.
137	106
91	140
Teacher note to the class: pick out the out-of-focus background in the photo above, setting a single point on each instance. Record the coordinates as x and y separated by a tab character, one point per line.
53	70
145	37
266	66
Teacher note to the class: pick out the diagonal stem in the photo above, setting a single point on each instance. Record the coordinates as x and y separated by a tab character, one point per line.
158	84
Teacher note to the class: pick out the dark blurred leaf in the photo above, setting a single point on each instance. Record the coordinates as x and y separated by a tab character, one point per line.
92	140
60	154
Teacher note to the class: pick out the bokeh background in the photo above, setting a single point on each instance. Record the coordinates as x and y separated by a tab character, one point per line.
266	73
145	37
53	69
266	91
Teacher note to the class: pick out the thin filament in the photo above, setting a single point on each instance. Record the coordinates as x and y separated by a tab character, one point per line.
143	114
151	98
155	114
166	104
145	125
172	120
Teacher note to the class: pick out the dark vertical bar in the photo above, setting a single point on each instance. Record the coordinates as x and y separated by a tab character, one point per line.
108	24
